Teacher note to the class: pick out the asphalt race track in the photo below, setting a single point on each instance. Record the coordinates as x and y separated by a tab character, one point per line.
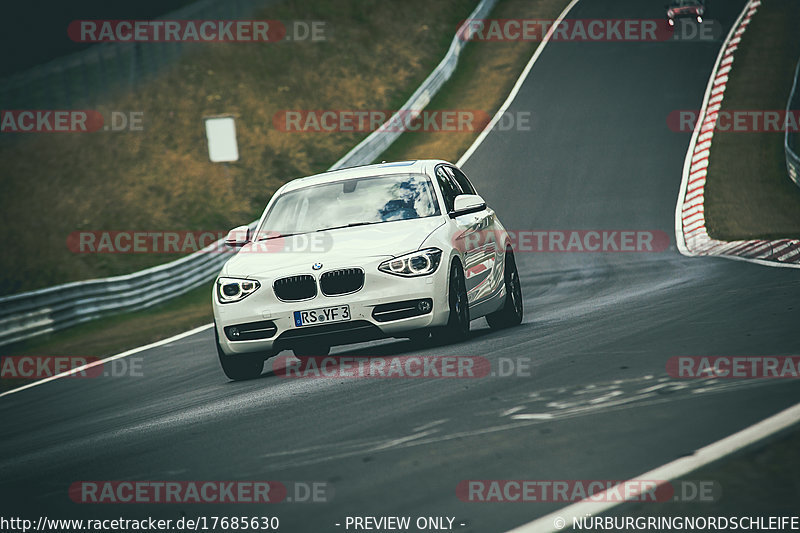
599	330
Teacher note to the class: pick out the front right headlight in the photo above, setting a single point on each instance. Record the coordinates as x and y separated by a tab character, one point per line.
420	263
230	290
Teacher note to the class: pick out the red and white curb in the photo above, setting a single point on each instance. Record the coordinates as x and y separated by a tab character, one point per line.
690	223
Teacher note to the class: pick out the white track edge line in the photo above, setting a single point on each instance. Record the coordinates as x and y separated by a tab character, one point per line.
513	94
132	351
672	470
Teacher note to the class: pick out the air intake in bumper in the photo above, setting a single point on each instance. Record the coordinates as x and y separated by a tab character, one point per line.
251	331
404	309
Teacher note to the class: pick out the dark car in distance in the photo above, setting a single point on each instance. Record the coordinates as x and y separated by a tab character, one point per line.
685	9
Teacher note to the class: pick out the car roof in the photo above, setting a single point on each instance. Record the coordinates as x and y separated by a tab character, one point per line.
419	166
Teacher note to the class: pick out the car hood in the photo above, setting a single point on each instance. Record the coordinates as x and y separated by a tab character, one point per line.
294	254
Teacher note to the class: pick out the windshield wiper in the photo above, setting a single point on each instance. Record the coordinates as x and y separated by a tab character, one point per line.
351	225
280	235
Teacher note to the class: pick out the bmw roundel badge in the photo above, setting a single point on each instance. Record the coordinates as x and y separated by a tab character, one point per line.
316	266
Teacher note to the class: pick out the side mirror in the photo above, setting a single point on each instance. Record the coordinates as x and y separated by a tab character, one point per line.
465	204
238	237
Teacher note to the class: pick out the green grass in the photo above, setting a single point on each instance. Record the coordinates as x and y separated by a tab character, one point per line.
748	192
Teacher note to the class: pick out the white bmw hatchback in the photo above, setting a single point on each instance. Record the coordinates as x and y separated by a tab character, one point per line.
403	249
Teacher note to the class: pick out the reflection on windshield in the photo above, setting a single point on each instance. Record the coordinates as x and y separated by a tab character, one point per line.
351	202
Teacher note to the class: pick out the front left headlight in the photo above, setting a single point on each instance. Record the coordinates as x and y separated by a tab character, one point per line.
420	263
231	290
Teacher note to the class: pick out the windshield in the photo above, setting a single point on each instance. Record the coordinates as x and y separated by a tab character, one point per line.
351	202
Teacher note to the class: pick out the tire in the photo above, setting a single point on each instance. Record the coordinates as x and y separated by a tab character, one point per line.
311	349
239	367
511	312
457	328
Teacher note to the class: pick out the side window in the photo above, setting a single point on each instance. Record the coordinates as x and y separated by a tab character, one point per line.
462	181
449	186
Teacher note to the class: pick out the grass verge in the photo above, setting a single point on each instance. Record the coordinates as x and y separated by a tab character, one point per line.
762	480
748	192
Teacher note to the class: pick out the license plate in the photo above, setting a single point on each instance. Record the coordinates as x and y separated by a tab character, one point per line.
314	317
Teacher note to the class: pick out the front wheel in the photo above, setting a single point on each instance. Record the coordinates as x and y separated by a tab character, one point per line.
239	367
511	312
457	327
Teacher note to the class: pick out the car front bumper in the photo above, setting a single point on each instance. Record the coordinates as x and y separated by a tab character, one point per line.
372	313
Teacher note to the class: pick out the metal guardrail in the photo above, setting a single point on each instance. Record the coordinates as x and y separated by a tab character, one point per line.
790	138
88	76
29	314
